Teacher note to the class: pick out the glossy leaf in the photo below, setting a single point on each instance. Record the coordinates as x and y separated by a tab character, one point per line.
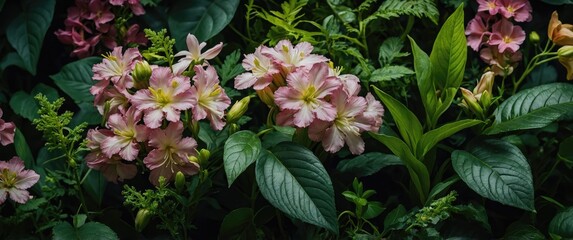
449	52
88	113
293	180
433	137
423	69
394	216
368	163
373	209
202	18
88	231
241	150
522	231
496	170
408	124
22	149
534	108
562	224
75	79
26	106
26	32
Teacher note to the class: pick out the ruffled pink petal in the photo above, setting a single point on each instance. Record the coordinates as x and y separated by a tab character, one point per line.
19	195
26	179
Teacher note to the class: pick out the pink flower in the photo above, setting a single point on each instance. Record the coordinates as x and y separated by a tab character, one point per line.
166	96
305	94
502	64
520	10
171	153
506	36
14	181
194	55
349	82
117	67
113	169
262	71
117	99
133	35
127	134
134	5
290	58
210	100
7	130
476	30
490	6
372	116
100	14
345	127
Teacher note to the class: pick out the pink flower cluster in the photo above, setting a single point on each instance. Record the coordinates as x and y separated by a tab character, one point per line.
309	93
143	106
90	22
6	131
492	29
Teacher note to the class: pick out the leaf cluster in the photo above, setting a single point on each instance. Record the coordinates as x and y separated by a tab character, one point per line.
161	49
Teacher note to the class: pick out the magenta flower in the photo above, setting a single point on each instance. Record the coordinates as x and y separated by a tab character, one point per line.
166	96
134	5
306	93
490	6
476	30
506	36
14	181
7	130
171	153
127	134
194	55
210	100
100	14
261	70
290	58
520	10
113	169
117	67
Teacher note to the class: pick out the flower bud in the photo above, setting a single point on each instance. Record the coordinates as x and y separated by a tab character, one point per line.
485	83
485	100
193	159
233	128
534	37
267	96
471	102
179	181
238	109
141	74
204	156
565	52
142	219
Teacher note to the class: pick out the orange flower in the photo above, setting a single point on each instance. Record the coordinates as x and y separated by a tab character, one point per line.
566	59
560	34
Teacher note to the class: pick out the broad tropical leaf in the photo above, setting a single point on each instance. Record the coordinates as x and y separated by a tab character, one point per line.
241	150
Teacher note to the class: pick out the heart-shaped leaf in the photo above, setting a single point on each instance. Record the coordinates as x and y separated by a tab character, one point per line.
241	150
293	180
75	79
562	224
202	18
496	170
534	108
26	32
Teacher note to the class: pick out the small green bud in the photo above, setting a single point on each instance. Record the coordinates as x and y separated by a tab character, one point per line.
471	101
141	75
534	37
233	128
193	159
485	100
204	156
179	181
267	96
238	109
142	219
565	52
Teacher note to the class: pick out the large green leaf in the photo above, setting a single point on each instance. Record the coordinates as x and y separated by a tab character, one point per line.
496	170
408	124
75	79
534	108
26	32
418	171
22	149
94	185
368	163
202	18
449	52
561	226
26	106
241	150
88	231
293	180
423	69
522	231
431	138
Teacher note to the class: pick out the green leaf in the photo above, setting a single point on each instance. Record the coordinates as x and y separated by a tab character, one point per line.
75	79
558	2
26	32
562	225
202	18
393	217
94	185
88	231
390	72
418	171
522	231
241	150
293	180
566	151
238	222
423	69
368	163
12	58
440	188
390	50
419	8
449	52
433	137
23	150
373	209
474	213
231	67
26	106
534	108
88	113
497	170
408	124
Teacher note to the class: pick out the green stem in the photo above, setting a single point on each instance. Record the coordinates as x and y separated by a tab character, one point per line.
409	26
532	64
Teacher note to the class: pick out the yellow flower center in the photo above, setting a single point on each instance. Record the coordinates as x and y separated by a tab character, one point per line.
308	95
507	39
510	9
7	178
161	97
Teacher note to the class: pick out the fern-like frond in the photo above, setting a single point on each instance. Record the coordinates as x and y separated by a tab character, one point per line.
395	8
366	5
